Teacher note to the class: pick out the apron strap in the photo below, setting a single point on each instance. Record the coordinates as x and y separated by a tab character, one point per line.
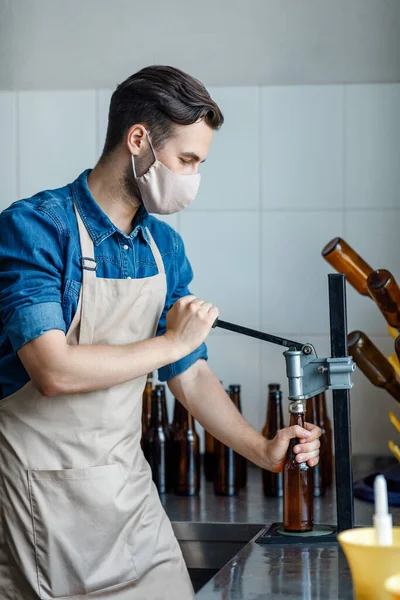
88	293
156	253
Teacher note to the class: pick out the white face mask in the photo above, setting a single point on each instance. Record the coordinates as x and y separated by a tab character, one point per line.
163	191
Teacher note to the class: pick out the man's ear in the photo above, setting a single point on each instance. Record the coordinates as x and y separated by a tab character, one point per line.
135	139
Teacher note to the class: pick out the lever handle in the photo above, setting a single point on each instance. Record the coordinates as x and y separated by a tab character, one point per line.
259	335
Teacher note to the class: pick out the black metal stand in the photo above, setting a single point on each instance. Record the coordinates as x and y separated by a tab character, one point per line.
341	416
341	406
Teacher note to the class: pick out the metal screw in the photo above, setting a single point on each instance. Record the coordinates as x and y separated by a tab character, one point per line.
322	369
307	349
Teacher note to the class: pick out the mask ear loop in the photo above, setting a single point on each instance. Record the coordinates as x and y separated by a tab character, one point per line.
152	149
151	144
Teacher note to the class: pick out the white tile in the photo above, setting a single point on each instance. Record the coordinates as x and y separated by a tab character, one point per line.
57	138
294	274
103	105
373	146
375	235
302	147
371	428
8	149
235	359
230	177
223	248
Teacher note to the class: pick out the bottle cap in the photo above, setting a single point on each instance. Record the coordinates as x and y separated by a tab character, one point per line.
297	406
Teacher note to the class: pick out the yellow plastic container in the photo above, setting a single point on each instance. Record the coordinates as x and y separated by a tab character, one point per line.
392	586
370	565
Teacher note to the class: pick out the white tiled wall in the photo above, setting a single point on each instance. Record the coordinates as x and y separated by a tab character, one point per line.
291	168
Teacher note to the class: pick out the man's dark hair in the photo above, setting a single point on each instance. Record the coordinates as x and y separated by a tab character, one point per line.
159	97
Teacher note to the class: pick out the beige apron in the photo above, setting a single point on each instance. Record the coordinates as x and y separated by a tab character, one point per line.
80	515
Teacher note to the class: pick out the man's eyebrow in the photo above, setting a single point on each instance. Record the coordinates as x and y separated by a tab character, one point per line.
193	156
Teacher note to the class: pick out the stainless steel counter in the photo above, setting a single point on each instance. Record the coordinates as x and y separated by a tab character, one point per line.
213	531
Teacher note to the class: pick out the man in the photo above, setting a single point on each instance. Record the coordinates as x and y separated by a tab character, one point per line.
93	296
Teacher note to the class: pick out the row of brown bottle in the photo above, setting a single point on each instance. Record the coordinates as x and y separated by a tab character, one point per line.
380	284
373	363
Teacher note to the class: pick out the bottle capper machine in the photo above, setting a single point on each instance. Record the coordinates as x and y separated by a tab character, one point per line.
309	375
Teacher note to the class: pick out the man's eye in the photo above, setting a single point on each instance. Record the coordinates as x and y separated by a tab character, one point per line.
185	162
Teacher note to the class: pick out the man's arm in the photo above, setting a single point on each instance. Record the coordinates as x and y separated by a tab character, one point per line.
57	368
203	395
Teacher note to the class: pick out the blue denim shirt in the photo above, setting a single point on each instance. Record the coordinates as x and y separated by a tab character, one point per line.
40	271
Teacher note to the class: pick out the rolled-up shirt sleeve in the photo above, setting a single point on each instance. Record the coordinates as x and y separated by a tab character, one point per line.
30	273
181	278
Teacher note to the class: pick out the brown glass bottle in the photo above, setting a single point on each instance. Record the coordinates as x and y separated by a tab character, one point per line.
384	290
234	393
146	408
323	422
158	444
298	500
319	477
345	260
188	456
397	346
179	414
373	363
227	473
177	422
273	482
166	422
209	459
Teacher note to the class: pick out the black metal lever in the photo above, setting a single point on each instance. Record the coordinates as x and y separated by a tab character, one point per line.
259	335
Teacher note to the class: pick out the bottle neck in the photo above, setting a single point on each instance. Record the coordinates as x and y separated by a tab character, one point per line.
234	393
384	289
274	411
177	414
296	419
187	421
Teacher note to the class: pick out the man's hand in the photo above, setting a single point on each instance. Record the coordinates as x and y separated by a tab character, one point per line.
307	449
189	322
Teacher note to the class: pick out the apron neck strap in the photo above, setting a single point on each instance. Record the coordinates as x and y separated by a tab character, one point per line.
156	253
88	292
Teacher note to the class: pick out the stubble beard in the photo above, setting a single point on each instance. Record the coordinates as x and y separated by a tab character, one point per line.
131	188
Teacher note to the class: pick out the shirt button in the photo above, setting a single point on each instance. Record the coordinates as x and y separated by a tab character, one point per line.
125	247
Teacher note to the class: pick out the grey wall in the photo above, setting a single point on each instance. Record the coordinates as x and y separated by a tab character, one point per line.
85	44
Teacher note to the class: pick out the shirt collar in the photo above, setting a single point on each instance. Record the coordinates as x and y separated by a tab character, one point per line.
96	221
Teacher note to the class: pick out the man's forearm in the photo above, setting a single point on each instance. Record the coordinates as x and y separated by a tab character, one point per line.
60	368
203	395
